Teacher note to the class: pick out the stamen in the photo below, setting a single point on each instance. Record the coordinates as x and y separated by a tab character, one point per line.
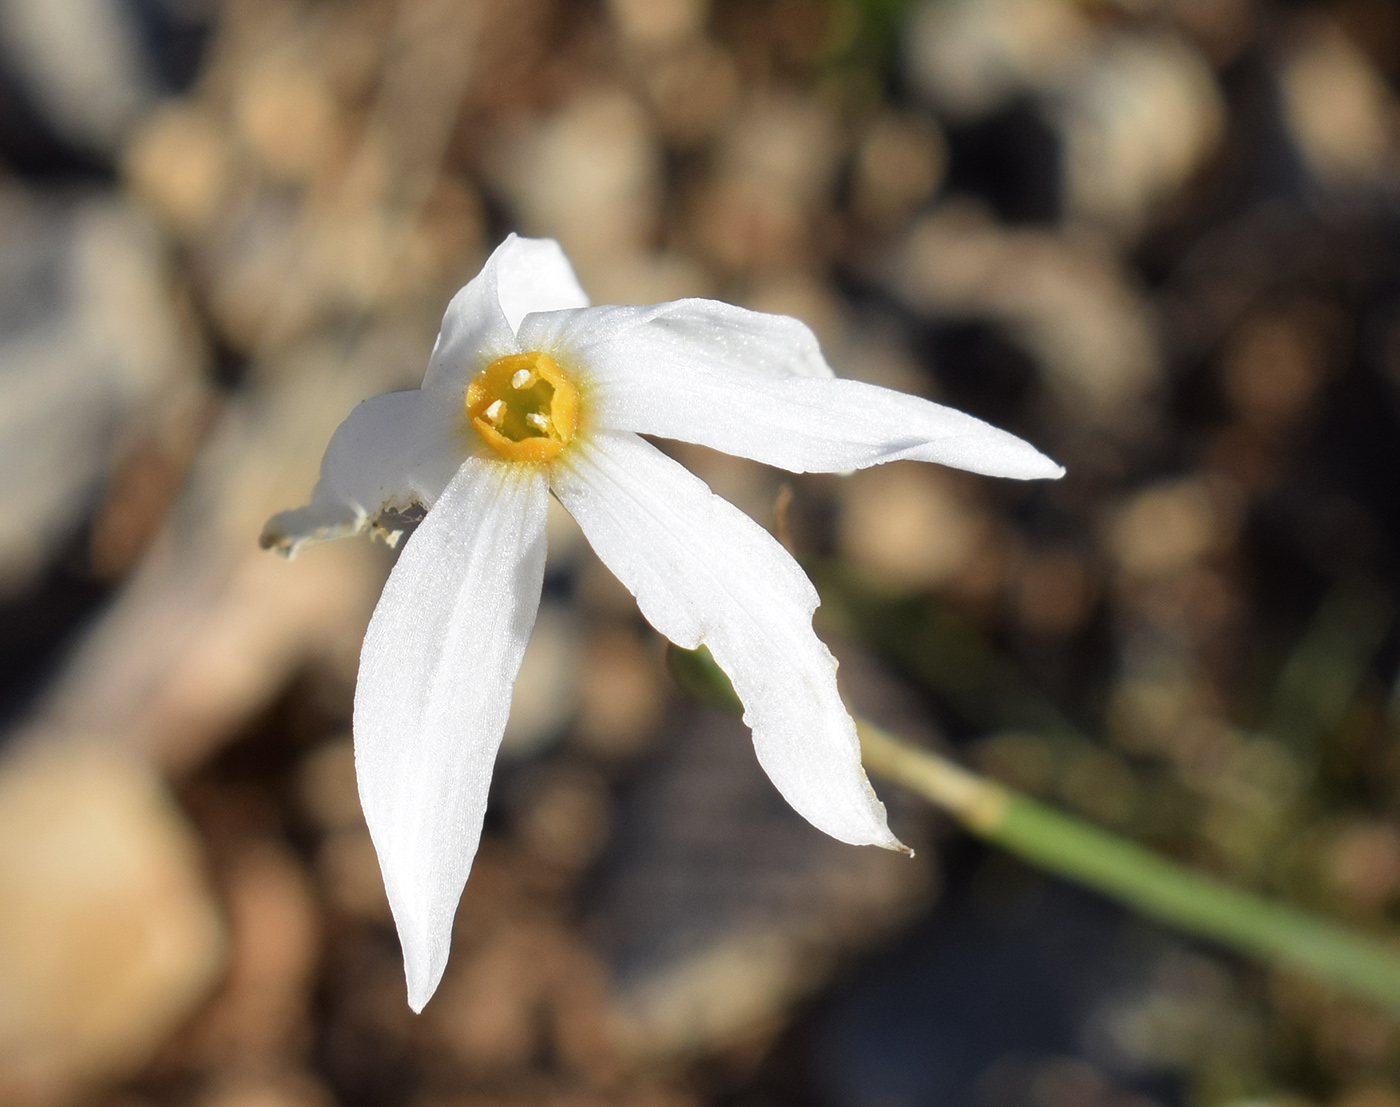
524	407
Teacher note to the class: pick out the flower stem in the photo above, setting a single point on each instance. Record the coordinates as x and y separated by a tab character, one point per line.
1149	884
1119	868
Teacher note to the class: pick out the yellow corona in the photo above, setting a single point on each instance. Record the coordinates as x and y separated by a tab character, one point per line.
524	407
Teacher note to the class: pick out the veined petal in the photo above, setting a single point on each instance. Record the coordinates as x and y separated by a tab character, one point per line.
707	331
436	671
747	383
533	274
521	275
705	573
394	453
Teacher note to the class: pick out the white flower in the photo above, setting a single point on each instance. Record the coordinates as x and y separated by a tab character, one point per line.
531	391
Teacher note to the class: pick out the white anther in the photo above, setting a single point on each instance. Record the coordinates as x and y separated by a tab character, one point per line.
521	378
538	421
495	410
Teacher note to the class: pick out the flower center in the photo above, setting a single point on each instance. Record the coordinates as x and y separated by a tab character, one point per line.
524	407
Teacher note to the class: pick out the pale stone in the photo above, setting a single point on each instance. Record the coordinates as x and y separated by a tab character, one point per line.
720	908
589	176
259	1019
83	64
909	526
972	57
1169	527
108	935
900	163
93	356
1139	120
622	697
658	23
545	697
1340	113
178	163
1065	298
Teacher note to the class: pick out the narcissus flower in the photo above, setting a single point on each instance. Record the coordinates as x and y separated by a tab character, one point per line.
529	391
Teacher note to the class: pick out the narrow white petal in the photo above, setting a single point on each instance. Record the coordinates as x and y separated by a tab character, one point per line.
436	671
533	274
747	383
522	275
474	332
709	331
393	453
704	572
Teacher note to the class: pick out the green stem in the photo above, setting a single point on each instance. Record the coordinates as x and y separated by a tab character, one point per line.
1121	869
1149	884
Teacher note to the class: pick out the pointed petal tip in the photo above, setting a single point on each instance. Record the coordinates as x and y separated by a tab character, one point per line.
419	991
424	961
287	532
1016	458
272	538
1026	463
460	603
885	838
1050	468
882	837
425	938
534	275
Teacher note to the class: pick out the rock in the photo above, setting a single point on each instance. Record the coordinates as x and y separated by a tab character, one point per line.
775	167
108	935
589	176
82	63
91	349
972	57
621	694
911	526
654	24
1340	113
179	164
259	1020
1065	297
546	694
274	1089
1139	120
723	907
208	627
900	163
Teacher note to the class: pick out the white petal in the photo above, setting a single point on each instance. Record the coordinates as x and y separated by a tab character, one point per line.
393	453
521	275
746	383
704	572
732	338
533	274
436	671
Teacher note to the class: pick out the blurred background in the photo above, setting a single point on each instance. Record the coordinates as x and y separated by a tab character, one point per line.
1160	239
